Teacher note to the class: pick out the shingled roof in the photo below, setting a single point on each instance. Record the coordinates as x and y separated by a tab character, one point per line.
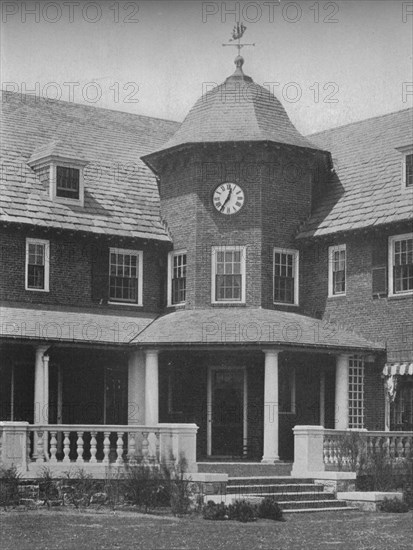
367	188
121	195
237	110
263	327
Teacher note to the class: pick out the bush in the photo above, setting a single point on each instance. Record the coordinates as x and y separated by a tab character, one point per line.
242	510
179	487
80	487
9	486
48	486
269	508
215	512
393	506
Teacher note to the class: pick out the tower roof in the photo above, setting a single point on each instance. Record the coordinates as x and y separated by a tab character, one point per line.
238	110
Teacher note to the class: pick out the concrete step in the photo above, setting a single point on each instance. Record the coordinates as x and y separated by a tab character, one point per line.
246	469
273	487
312	504
295	497
335	509
267	480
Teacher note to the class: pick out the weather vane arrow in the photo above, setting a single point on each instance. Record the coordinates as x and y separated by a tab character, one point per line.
237	33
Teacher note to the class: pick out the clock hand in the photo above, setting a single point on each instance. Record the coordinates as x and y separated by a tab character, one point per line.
227	199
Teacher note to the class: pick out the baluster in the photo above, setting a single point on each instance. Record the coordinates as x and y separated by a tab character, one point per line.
66	447
39	446
157	447
53	446
28	447
369	447
392	447
106	447
1	445
386	446
145	447
335	452
408	447
327	450
79	449
132	448
399	447
119	448
93	446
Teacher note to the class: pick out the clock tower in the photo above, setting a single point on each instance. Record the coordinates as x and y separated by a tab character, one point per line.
235	182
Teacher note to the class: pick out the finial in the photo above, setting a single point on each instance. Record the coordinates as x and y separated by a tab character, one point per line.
239	62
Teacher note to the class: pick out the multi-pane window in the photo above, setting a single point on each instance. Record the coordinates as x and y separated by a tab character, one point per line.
37	264
402	408
67	182
408	170
125	276
356	392
228	264
337	270
401	268
285	276
177	278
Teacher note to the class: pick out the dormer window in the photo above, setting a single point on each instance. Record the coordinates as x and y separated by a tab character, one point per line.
67	182
408	170
60	167
407	166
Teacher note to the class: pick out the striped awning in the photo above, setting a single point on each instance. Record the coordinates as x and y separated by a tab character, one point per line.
392	369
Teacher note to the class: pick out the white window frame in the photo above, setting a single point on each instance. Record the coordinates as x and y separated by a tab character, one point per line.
392	240
331	250
53	182
296	258
236	248
171	256
356	392
139	264
46	245
405	151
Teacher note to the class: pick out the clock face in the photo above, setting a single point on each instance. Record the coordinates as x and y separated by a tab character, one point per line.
228	198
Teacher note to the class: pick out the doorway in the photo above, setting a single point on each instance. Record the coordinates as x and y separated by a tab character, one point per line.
227	412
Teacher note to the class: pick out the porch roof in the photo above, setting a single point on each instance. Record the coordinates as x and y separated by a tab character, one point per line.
63	324
248	326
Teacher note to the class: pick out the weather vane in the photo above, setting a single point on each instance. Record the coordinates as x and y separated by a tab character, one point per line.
237	33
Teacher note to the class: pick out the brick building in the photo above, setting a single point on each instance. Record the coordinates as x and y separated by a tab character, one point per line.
226	272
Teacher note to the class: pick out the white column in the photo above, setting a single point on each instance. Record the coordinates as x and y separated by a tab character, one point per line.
322	397
342	379
151	388
41	386
136	388
271	407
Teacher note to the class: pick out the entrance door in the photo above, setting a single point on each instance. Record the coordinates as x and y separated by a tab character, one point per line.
227	428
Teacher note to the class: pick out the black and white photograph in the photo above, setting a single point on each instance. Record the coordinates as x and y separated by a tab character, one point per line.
206	275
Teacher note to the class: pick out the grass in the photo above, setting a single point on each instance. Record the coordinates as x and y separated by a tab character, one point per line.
70	530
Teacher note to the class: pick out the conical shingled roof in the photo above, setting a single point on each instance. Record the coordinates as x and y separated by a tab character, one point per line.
237	110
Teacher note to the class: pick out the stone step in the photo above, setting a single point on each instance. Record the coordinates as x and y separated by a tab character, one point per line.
268	480
245	469
295	497
274	488
325	503
335	509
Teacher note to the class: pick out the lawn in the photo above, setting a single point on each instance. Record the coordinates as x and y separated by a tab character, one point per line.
70	530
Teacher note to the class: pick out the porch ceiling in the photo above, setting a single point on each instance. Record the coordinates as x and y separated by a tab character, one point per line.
247	326
79	325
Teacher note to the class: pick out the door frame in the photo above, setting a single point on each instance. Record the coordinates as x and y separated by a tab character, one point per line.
212	368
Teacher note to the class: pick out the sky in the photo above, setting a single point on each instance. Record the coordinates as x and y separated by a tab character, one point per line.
330	63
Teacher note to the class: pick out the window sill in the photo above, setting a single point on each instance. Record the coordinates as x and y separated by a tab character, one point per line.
177	306
400	296
336	296
37	290
230	304
127	304
285	304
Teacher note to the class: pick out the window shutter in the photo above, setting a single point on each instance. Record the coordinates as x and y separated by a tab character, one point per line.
100	274
379	268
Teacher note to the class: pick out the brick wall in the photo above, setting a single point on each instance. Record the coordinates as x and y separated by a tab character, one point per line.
71	269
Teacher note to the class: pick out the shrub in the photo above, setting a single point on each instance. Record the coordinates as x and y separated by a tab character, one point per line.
48	486
80	487
242	510
179	486
9	486
394	506
214	511
145	485
269	508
